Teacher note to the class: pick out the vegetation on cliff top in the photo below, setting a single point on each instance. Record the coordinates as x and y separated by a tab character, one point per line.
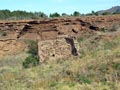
19	15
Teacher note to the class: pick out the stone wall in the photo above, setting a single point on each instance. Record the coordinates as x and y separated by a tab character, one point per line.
57	49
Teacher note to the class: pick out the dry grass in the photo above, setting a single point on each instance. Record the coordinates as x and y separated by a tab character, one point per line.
98	68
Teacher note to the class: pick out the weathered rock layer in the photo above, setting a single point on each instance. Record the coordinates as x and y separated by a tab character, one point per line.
57	38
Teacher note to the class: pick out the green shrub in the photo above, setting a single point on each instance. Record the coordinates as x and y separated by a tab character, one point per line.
53	84
83	79
106	13
116	66
33	48
103	68
72	84
110	45
76	13
103	30
54	15
80	39
31	61
82	53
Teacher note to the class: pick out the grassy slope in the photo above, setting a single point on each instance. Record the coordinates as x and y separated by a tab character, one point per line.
98	68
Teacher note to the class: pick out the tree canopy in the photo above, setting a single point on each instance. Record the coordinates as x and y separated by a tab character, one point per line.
18	15
54	15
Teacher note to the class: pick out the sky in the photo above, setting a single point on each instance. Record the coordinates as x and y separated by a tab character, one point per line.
60	6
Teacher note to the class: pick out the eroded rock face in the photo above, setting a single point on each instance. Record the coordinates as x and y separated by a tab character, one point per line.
11	47
50	28
52	34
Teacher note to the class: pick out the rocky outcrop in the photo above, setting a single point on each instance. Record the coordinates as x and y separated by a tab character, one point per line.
46	29
11	47
57	37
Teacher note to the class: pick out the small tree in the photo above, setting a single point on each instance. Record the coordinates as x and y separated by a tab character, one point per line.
76	13
94	13
55	15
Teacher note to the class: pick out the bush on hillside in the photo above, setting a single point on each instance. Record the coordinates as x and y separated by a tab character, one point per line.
31	61
33	48
106	13
83	79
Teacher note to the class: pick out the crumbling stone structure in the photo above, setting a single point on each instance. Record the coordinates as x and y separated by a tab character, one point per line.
62	47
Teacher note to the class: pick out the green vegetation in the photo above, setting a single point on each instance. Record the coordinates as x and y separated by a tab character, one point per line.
80	39
116	66
97	69
40	14
103	30
65	15
55	15
116	13
23	15
72	84
83	79
33	48
110	45
53	84
106	13
18	15
32	60
94	13
76	13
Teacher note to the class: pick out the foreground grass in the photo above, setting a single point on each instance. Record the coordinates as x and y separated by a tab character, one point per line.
98	68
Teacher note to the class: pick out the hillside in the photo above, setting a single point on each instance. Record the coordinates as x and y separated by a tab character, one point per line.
115	9
75	53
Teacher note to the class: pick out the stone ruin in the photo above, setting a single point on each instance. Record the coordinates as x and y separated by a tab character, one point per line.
62	47
56	37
